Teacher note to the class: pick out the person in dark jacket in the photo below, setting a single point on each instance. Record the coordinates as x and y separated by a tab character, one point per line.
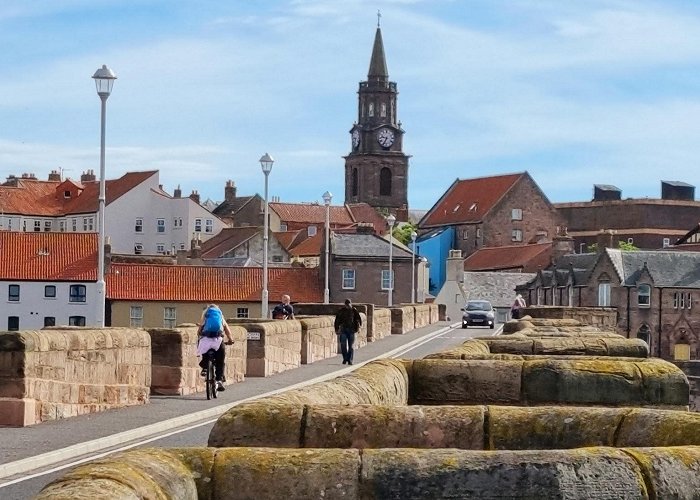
347	324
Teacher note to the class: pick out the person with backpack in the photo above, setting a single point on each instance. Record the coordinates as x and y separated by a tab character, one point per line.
212	328
284	310
347	323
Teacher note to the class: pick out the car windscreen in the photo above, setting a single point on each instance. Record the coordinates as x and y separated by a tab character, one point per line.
478	306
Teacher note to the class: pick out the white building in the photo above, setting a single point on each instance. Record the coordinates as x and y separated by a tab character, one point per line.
140	217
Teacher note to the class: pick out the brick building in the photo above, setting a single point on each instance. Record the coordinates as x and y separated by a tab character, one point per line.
647	223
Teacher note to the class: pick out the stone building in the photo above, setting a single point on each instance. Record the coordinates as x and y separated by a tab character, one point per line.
647	223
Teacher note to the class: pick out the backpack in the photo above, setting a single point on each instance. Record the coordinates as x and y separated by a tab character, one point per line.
279	312
213	322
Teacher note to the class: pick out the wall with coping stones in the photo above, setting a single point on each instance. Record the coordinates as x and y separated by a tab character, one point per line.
175	364
232	473
62	372
273	346
421	315
602	317
380	323
475	427
318	338
402	319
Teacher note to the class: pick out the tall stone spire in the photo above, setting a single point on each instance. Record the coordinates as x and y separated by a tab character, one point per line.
377	65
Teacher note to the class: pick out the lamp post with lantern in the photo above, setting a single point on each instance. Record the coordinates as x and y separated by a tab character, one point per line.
391	220
327	198
266	162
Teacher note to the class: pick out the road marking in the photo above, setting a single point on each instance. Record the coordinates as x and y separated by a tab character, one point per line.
145	433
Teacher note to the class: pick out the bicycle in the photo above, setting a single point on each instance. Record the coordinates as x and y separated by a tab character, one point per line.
210	379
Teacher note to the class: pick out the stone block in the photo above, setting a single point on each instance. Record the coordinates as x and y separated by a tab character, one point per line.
18	412
259	424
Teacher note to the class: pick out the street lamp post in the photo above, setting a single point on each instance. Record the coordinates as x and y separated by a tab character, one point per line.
327	197
266	162
391	220
104	80
414	235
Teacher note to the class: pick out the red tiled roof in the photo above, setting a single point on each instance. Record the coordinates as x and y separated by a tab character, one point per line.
362	212
45	198
529	258
211	284
48	256
469	200
311	213
310	246
288	238
227	239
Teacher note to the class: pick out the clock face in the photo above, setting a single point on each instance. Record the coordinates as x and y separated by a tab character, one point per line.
355	138
385	137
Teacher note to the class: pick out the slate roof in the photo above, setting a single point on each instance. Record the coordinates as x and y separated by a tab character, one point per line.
211	284
527	257
667	268
496	287
36	197
48	256
231	207
469	200
226	240
366	246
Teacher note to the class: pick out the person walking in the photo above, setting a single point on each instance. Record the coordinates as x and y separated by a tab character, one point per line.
516	310
347	323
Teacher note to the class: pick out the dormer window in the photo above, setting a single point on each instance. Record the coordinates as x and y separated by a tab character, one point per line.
66	194
311	231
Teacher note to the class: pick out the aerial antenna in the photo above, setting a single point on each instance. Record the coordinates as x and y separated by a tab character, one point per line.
379	15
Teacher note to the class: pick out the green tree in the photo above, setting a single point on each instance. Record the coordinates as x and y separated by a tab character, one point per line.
622	245
403	233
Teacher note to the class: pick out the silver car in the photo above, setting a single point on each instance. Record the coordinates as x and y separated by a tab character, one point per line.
478	313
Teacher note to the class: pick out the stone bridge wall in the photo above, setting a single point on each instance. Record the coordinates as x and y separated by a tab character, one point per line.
380	323
421	315
63	372
175	368
601	317
232	473
273	346
318	338
402	319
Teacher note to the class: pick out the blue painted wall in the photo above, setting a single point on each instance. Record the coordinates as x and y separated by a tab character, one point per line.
435	246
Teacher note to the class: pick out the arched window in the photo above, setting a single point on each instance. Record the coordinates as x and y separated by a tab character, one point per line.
383	110
643	333
385	182
355	182
370	110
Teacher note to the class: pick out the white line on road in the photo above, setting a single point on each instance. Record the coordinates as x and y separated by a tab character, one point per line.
146	433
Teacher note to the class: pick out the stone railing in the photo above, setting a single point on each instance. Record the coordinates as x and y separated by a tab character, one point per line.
520	345
274	346
601	317
63	372
175	365
422	314
231	473
379	323
402	319
318	338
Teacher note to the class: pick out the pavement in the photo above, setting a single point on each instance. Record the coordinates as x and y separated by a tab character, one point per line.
26	449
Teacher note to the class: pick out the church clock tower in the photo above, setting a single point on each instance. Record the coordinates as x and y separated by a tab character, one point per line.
376	170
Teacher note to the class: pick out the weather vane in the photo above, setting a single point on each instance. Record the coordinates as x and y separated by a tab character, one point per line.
379	15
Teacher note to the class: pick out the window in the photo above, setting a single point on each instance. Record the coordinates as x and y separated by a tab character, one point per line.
385	182
682	300
88	224
383	110
604	294
138	226
37	226
666	242
74	224
182	246
135	316
370	111
160	225
77	293
516	235
355	182
465	234
138	248
349	279
49	321
311	231
242	312
516	214
478	232
283	227
644	333
198	225
644	295
62	226
24	226
13	293
160	248
76	320
50	291
66	194
387	280
13	323
209	226
169	317
47	226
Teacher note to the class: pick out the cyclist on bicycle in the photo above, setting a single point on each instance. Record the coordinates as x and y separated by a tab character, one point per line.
212	328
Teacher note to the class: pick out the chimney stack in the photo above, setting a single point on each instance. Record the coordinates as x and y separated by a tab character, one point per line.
562	244
88	176
605	239
455	266
55	176
230	191
178	192
195	196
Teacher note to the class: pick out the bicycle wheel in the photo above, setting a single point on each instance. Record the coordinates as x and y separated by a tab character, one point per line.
210	383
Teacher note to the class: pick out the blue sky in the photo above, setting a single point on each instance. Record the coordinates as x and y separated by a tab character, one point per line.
577	93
